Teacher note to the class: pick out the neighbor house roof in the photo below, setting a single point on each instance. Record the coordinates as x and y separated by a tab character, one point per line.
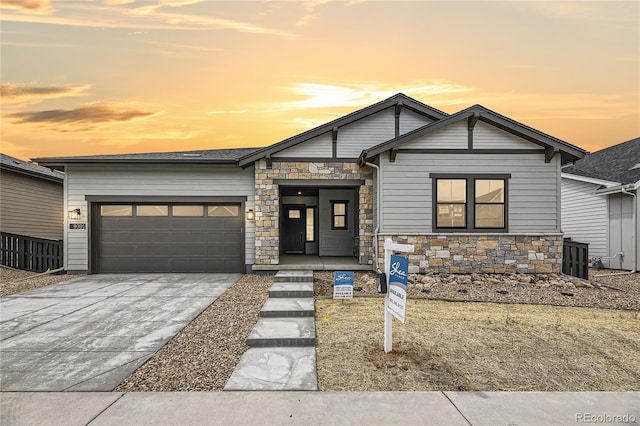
24	167
618	163
212	156
398	99
474	113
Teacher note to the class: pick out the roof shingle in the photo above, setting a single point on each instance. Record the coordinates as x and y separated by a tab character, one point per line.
619	163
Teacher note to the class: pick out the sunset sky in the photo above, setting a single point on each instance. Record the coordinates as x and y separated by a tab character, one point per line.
119	76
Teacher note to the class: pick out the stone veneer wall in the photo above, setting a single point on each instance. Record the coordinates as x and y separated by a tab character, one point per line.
267	202
493	253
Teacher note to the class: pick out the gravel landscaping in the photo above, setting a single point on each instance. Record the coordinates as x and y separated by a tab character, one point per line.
614	292
14	281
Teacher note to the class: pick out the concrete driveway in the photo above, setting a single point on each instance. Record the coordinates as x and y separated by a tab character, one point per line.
89	334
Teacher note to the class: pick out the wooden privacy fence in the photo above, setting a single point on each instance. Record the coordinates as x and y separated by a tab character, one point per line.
29	253
575	258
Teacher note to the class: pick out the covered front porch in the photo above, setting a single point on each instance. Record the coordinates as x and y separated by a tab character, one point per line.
290	262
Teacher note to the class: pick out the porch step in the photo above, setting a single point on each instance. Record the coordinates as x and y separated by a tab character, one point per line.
288	307
294	277
291	289
283	332
268	369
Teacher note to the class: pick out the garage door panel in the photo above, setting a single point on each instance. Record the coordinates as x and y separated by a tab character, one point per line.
170	244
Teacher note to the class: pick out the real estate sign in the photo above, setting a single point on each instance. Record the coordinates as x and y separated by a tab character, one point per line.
343	285
398	280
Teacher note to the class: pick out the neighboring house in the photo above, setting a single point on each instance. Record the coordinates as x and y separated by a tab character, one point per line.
600	204
473	191
31	199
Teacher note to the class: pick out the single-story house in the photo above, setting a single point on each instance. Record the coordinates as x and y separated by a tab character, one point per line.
600	204
473	191
32	199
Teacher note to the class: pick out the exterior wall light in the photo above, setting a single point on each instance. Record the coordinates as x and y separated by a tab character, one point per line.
251	215
75	214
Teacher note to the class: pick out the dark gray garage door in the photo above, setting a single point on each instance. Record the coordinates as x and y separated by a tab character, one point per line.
169	238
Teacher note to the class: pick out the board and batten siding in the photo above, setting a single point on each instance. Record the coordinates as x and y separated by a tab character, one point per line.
486	136
410	120
584	215
177	181
318	147
365	133
454	136
31	206
533	188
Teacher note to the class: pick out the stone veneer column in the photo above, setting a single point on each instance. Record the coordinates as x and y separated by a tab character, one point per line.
267	202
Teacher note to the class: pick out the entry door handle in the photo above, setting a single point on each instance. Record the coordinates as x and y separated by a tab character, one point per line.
302	237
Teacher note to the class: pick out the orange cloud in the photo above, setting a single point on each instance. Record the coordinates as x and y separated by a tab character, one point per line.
28	6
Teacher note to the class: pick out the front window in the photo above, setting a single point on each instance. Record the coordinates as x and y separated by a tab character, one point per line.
338	215
489	203
451	206
470	202
311	224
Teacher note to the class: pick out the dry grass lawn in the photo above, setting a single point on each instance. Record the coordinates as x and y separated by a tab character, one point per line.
477	346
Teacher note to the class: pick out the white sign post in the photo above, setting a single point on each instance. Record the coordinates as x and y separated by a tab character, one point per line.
389	248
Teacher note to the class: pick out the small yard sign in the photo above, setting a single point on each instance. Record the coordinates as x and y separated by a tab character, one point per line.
343	285
398	276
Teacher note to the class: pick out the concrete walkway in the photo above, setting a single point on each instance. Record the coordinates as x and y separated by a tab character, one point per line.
321	408
89	334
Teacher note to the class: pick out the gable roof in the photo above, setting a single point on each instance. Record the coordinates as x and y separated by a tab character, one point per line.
24	167
397	99
567	151
211	156
618	163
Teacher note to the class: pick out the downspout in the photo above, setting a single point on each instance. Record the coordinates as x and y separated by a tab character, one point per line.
635	238
377	229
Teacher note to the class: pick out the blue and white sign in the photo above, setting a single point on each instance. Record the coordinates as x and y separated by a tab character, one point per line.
398	280
343	285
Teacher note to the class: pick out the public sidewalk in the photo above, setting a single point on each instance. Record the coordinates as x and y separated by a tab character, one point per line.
320	408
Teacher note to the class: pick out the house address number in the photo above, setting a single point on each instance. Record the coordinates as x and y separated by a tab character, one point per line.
77	226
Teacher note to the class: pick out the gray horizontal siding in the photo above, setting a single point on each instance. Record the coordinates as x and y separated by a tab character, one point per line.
319	147
584	215
336	242
410	120
31	206
407	189
486	136
365	133
454	136
208	181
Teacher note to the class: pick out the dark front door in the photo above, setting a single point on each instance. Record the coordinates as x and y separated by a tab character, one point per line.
295	219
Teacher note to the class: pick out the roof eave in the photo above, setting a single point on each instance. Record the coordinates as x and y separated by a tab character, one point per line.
32	173
60	163
588	179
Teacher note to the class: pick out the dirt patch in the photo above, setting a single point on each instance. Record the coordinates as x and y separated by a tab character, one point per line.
614	292
477	346
13	281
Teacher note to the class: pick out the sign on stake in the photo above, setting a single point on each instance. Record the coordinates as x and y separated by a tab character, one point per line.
389	248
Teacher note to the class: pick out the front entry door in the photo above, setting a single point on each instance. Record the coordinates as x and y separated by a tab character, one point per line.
295	219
